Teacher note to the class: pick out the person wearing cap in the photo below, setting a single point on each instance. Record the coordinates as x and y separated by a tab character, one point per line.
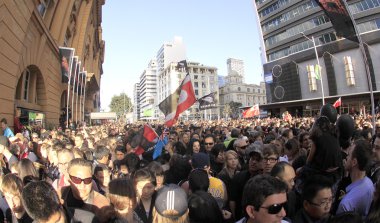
7	132
171	205
263	200
255	167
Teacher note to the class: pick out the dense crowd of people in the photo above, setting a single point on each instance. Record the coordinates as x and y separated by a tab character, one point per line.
302	170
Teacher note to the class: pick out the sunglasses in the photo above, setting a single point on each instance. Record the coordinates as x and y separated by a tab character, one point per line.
275	208
78	180
209	143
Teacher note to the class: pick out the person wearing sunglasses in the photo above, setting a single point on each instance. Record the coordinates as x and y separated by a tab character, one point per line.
80	193
263	200
317	201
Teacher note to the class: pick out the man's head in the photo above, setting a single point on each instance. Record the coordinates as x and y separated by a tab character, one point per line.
185	137
263	199
240	145
235	133
173	136
4	143
271	155
209	142
376	147
80	173
198	180
285	172
102	154
4	124
255	154
102	174
317	197
12	188
359	156
79	140
38	196
200	161
64	158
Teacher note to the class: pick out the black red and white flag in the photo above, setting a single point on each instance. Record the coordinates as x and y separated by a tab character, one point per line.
145	139
338	13
66	56
208	101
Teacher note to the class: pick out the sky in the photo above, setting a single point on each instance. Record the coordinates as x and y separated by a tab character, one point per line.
212	31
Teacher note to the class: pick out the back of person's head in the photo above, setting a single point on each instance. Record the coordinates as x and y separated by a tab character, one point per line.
235	132
26	168
180	148
362	152
292	144
122	194
12	184
132	162
347	217
198	180
171	205
100	152
41	201
204	208
258	188
279	169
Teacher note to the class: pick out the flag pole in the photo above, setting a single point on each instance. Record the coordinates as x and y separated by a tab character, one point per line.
368	74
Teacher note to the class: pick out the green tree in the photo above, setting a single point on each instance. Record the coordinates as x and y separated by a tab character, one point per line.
121	104
235	109
226	111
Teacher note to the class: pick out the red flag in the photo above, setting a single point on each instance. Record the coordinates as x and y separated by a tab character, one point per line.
251	112
337	103
187	97
145	139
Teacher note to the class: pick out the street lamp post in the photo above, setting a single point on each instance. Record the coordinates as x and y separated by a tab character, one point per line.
319	67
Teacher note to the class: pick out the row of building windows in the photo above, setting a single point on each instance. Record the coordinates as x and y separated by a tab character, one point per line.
364	5
315	22
290	15
369	26
273	7
325	38
259	2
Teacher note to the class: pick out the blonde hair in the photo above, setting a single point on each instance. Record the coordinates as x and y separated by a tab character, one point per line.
11	184
157	218
232	153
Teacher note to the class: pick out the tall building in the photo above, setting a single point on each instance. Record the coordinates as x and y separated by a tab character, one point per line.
288	27
235	65
136	102
170	52
148	92
31	34
204	79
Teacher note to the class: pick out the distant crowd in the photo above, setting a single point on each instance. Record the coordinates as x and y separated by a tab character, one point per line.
302	170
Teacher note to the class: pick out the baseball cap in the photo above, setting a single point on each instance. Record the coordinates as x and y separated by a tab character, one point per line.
254	149
4	141
200	160
171	201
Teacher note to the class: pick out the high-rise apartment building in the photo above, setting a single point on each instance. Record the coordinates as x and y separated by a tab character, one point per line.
136	102
30	68
170	52
235	65
148	92
287	28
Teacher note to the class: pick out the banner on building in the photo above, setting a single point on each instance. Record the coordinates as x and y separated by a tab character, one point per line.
340	18
208	101
252	111
66	57
73	70
268	78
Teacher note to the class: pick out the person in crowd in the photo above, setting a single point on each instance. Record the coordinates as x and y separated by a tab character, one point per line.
217	158
285	172
198	180
185	138
287	134
209	142
120	152
317	198
270	157
359	193
374	213
10	159
12	187
374	173
293	152
122	196
231	167
102	177
173	137
80	193
179	169
263	200
347	217
43	205
25	168
102	155
194	146
235	133
158	172
79	142
7	132
64	158
304	140
255	167
204	208
239	146
145	184
174	209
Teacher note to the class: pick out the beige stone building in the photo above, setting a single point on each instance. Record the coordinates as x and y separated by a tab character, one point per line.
31	33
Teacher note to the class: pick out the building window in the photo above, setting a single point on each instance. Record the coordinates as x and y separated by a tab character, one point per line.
239	89
43	6
196	92
195	77
258	90
312	78
26	84
349	70
196	84
248	90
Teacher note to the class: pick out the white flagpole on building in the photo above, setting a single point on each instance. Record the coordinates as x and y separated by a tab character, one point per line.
84	93
73	96
76	100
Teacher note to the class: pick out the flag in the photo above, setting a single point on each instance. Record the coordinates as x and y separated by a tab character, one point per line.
145	139
317	72
66	57
73	70
176	103
162	141
208	101
252	112
182	65
338	103
340	18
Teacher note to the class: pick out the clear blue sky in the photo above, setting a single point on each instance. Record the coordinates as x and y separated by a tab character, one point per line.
212	31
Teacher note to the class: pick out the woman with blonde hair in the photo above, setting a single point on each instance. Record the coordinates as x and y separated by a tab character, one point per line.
231	167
